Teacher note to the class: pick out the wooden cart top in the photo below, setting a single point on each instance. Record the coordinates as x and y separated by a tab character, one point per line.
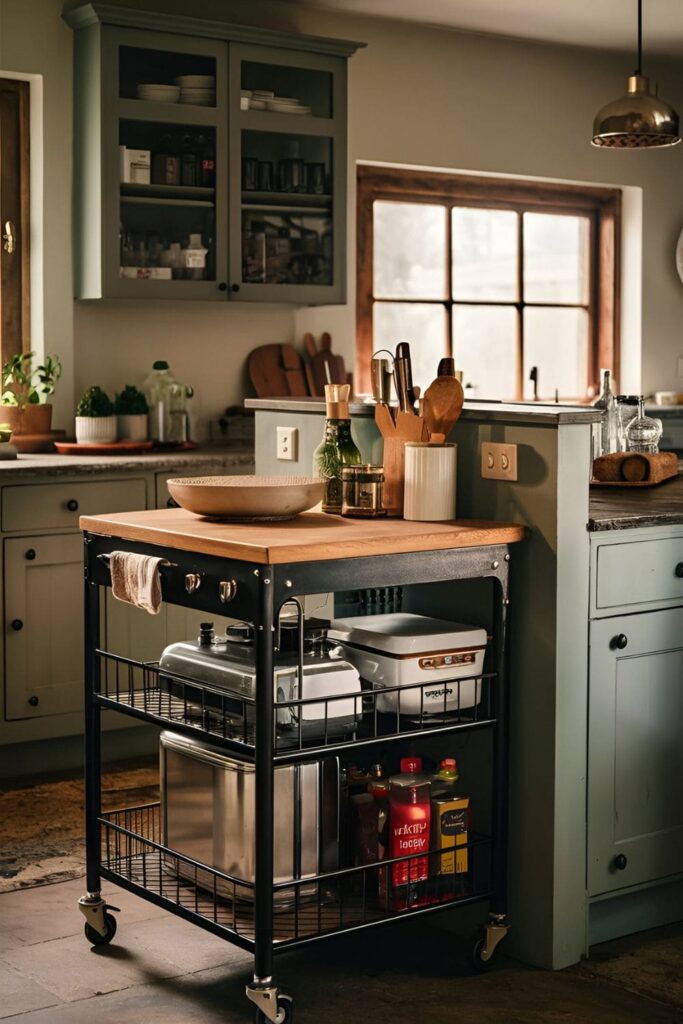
310	537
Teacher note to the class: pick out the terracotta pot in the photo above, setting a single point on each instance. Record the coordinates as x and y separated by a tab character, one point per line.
31	419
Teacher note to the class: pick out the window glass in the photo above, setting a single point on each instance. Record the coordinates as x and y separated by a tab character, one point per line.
556	258
556	341
423	325
485	349
409	251
484	256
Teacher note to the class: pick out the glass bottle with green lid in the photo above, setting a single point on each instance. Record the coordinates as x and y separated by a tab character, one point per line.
166	398
337	447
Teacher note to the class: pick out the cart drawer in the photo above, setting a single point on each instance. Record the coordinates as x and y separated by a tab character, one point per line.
638	572
59	505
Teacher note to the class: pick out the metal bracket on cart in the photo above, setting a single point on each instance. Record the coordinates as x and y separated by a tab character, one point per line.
272	1005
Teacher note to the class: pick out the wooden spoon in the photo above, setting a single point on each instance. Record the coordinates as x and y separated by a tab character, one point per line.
442	406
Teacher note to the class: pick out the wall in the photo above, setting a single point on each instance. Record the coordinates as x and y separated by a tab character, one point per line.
417	95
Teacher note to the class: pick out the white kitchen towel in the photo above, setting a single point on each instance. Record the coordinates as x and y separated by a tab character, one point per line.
135	580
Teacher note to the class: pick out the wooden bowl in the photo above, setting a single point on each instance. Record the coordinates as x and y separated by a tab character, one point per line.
246	498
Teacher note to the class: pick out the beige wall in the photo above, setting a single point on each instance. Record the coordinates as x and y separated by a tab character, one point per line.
418	96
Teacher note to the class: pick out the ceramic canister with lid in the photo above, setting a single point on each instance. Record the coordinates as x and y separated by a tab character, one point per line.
430	481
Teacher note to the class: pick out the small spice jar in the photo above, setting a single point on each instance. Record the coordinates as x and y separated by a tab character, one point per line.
363	491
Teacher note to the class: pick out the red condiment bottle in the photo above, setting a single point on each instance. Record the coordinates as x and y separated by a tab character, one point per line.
409	833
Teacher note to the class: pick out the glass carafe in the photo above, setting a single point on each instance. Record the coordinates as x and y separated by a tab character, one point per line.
643	432
166	398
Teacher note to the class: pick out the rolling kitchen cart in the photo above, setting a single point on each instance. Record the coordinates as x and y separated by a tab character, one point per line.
250	572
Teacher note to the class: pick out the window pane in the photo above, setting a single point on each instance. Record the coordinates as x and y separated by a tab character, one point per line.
485	349
409	250
423	326
484	254
556	252
556	341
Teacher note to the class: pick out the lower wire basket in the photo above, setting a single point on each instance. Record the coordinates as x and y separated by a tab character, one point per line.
134	857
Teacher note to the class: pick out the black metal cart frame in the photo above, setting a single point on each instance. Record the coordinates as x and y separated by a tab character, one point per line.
126	847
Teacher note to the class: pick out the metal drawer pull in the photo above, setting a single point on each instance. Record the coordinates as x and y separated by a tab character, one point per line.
620	641
72	505
34	701
193	581
227	590
678	571
620	861
30	554
16	625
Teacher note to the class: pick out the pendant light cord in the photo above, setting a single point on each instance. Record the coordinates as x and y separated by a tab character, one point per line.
639	69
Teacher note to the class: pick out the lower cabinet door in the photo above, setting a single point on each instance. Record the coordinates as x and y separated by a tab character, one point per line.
635	750
43	625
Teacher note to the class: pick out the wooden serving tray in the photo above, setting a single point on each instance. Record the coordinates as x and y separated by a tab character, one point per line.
115	448
634	469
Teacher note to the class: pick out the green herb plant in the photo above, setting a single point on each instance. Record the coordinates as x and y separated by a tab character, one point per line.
95	403
130	402
22	385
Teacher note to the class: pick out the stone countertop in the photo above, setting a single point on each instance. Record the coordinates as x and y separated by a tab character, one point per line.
619	508
501	412
52	465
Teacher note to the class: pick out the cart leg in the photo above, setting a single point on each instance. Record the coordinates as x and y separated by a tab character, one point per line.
270	1004
497	927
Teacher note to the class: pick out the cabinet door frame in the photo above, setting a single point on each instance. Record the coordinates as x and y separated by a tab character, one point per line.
334	128
49	550
650	855
115	109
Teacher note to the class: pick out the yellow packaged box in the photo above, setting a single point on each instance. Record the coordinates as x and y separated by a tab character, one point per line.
449	833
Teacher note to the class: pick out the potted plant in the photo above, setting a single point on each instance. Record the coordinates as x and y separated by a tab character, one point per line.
25	390
130	406
95	419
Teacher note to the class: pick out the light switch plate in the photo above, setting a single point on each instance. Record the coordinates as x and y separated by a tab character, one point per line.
287	443
498	461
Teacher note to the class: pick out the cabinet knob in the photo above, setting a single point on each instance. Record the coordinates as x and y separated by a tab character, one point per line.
222	287
678	571
34	701
72	505
620	641
30	554
620	862
234	287
17	625
172	503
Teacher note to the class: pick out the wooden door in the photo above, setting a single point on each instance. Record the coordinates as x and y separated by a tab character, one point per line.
635	752
14	217
43	625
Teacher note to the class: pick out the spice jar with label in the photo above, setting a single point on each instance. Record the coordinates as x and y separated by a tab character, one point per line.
363	491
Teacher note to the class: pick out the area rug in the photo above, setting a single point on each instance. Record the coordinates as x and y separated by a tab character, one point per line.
41	824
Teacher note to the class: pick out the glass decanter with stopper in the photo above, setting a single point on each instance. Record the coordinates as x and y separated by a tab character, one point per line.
643	432
337	447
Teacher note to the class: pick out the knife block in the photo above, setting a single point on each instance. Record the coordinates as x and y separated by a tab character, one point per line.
407	427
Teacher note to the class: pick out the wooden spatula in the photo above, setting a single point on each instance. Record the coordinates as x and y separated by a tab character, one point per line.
442	406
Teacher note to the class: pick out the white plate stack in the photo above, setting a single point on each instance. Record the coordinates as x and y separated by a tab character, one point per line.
158	92
200	90
286	105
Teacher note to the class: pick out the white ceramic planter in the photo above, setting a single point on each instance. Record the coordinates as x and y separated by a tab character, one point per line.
133	427
95	429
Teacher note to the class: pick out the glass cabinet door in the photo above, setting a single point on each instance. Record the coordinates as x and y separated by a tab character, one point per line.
165	174
287	175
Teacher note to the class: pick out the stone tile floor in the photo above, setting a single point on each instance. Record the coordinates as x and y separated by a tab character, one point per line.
162	970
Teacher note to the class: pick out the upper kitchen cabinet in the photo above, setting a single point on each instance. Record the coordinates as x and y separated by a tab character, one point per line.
210	160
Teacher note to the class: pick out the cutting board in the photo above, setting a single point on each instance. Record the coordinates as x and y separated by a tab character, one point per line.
276	371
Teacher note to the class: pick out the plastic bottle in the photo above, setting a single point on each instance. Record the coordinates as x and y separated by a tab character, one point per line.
409	833
166	399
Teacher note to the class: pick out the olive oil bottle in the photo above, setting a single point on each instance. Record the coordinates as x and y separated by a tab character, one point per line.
337	448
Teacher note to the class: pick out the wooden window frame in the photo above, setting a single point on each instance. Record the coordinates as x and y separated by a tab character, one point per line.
601	205
15	285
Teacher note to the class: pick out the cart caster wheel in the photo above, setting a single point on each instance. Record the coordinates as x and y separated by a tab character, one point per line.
479	961
285	1012
94	937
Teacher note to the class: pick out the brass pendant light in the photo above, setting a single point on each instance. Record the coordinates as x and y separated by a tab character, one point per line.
639	119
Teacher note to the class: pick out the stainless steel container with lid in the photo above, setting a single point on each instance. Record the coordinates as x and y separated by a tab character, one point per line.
363	491
208	812
226	665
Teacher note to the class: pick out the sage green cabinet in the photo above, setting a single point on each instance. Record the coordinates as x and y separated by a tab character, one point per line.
183	193
635	757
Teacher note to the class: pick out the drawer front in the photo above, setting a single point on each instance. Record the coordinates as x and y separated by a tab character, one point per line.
59	506
639	572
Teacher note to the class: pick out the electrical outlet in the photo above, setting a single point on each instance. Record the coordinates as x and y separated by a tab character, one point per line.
498	461
680	366
287	443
